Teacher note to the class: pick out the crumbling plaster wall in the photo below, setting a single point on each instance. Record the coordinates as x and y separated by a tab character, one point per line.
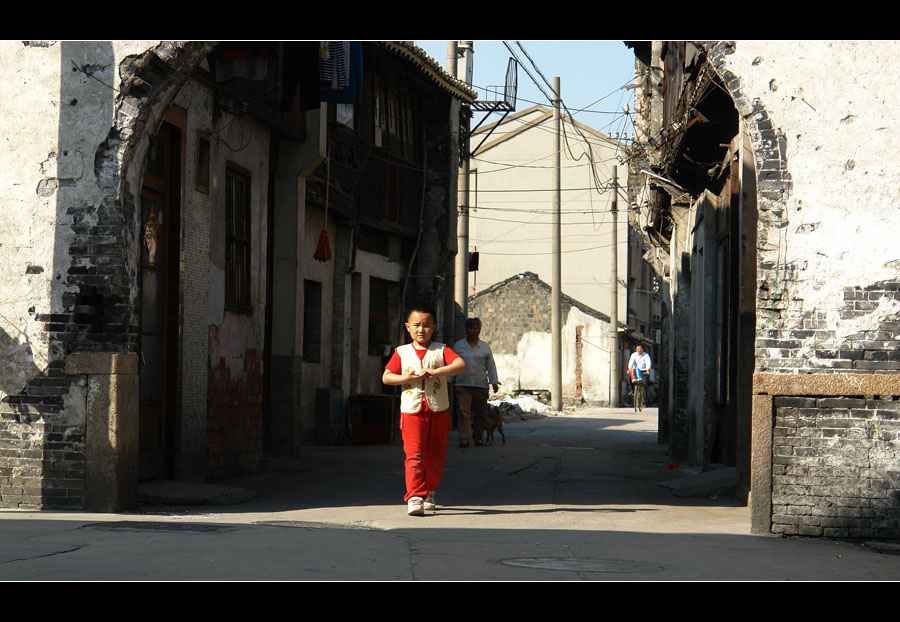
528	367
65	151
52	129
74	135
515	318
28	161
830	234
236	338
823	122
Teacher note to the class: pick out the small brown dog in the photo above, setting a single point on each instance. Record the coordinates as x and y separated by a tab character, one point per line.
491	421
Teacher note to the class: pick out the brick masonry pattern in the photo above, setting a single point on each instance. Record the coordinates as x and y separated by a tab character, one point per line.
836	467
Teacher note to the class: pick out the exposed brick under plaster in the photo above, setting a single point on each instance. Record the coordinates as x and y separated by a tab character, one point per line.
826	432
41	466
235	429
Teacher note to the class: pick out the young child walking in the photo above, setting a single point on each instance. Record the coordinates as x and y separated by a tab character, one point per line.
420	368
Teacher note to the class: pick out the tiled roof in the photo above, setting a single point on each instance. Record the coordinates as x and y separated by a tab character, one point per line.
432	69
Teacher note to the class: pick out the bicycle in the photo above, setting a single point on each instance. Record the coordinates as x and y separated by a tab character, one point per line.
638	386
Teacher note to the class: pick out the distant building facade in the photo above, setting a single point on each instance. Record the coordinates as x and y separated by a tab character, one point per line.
510	216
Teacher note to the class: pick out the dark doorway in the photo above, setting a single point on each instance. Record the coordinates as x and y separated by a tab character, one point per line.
160	304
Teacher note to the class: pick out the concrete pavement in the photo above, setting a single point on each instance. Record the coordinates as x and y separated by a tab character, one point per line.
582	496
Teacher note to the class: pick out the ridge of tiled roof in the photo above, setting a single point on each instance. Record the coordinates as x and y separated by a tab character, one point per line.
433	69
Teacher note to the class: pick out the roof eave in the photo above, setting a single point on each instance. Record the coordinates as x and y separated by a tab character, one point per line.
433	70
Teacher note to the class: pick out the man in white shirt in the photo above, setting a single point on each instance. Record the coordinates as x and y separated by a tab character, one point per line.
640	360
472	386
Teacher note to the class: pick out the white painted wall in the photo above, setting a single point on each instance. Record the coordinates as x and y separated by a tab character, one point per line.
42	171
529	367
835	104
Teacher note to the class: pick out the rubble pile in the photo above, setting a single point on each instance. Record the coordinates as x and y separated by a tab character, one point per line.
524	407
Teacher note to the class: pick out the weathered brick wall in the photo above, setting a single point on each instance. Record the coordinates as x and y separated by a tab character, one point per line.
510	309
874	349
827	270
817	345
237	336
80	114
827	261
515	316
235	427
41	458
836	467
71	235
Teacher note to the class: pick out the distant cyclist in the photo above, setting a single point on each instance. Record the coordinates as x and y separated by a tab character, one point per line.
640	360
639	372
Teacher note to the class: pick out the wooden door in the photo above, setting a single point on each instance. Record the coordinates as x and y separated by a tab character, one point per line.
159	243
154	214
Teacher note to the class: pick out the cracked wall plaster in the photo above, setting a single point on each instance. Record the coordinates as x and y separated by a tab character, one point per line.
834	106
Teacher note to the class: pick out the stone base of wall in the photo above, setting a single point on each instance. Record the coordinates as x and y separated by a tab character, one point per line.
111	428
826	455
70	441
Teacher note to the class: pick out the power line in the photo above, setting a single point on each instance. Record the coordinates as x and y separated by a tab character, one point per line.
609	187
592	236
522	65
527	222
523	121
589	151
563	252
561	103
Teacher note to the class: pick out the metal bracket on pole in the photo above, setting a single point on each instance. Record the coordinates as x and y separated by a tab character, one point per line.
507	104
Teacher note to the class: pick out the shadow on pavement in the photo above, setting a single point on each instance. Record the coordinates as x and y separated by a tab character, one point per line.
296	550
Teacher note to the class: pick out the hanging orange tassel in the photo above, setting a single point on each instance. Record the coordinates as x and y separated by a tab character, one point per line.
323	248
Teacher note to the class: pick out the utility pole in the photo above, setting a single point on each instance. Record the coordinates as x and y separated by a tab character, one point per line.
555	320
614	300
461	294
451	57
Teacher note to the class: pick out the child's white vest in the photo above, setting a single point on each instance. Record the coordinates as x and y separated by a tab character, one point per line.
433	389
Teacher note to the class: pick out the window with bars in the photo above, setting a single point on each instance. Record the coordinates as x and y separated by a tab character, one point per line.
237	240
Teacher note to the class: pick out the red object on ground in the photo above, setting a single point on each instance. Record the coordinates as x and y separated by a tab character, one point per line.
672	465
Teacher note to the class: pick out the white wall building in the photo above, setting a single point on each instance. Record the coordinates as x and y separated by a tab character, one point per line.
511	205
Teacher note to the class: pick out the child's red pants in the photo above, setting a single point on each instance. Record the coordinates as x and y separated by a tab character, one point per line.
425	438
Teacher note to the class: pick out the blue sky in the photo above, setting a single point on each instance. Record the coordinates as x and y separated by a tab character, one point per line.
591	76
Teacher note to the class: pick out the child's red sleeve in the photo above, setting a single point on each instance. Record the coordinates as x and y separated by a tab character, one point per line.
394	365
449	355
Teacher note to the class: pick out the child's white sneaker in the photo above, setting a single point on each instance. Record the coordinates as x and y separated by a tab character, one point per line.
428	504
415	506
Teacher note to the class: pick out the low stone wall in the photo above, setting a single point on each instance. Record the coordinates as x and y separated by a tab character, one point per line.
836	467
834	441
